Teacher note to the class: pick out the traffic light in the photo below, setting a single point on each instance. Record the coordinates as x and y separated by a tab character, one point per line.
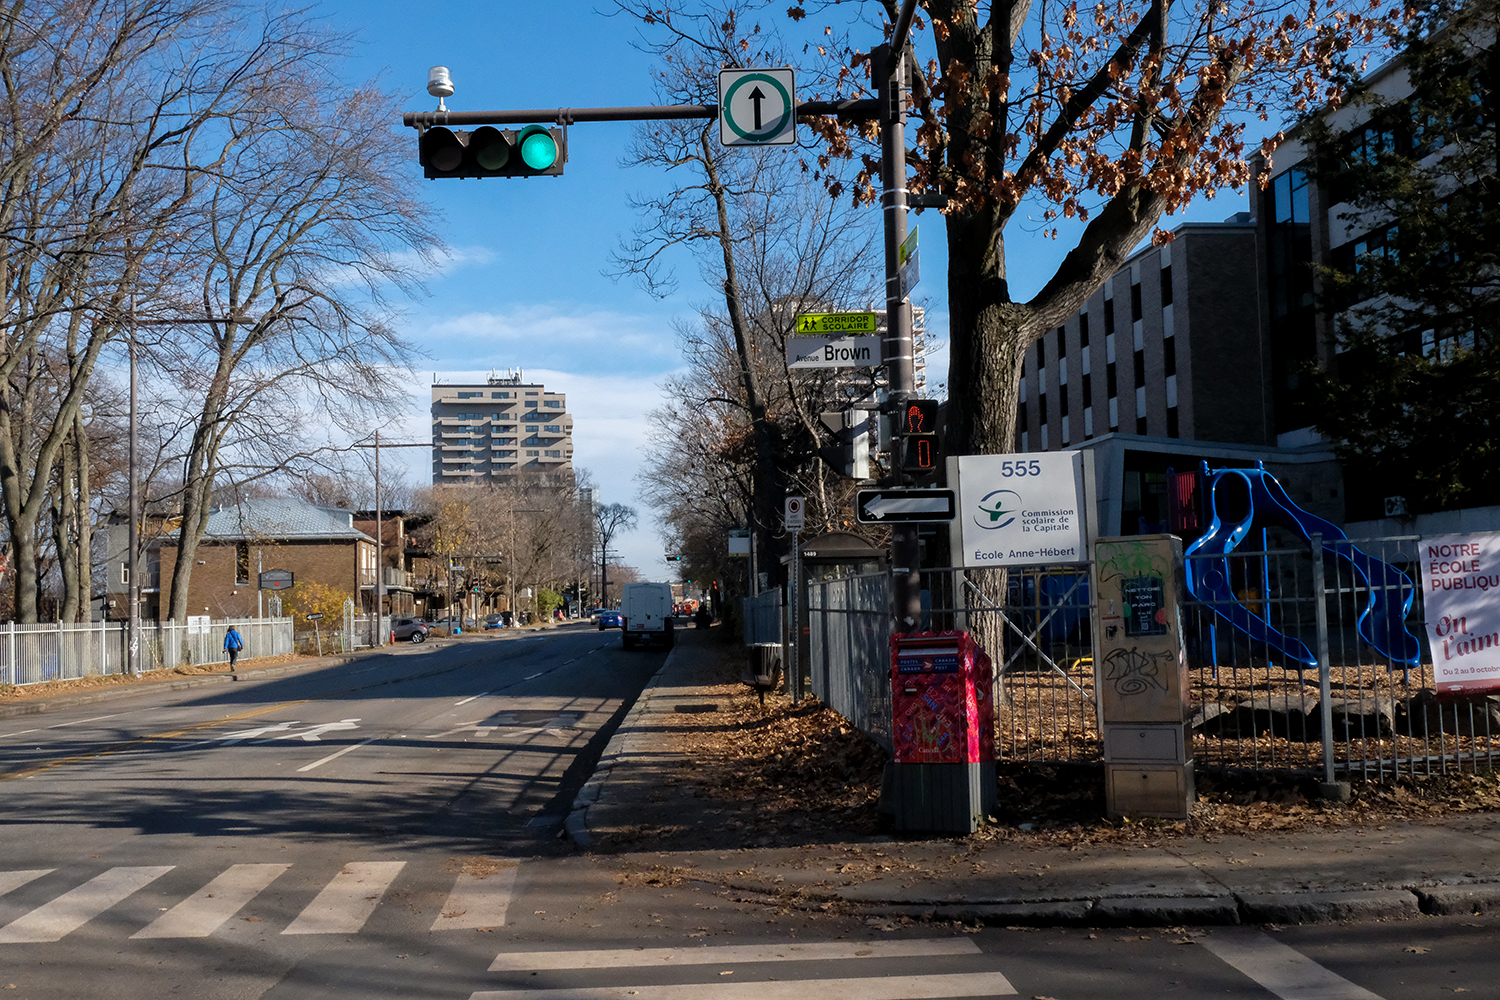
919	424
674	558
533	151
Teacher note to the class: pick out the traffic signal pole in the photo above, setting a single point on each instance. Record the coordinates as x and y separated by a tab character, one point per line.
896	348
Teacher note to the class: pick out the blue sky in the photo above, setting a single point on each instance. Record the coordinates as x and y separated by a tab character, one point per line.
525	287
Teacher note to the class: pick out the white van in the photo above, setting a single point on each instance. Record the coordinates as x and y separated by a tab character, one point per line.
646	614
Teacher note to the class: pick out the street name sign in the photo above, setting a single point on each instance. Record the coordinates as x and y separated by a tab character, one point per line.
843	323
757	107
316	616
904	506
832	352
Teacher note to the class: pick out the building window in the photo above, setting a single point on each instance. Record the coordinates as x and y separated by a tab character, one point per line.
1135	302
554	428
1166	286
1109	317
1140	426
1041	352
1111	387
555	404
1140	368
471	395
1083	329
1172	422
242	563
1021	415
531	454
531	428
1062	406
532	394
1088	390
1169	356
553	454
1289	193
1041	409
1062	344
499	395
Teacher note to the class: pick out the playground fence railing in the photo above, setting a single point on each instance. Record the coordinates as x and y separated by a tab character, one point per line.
1354	711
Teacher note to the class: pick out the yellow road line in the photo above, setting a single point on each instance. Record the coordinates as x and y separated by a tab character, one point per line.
122	747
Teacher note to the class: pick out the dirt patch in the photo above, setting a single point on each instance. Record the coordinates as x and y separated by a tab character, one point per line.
53	689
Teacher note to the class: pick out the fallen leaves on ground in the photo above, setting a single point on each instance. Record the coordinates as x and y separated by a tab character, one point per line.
93	682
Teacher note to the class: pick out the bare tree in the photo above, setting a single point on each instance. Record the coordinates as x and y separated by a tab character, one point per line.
609	520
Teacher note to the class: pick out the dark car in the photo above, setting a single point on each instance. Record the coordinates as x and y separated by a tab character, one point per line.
411	630
610	619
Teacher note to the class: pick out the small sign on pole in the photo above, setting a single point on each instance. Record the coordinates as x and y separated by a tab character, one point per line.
794	516
819	324
277	579
757	107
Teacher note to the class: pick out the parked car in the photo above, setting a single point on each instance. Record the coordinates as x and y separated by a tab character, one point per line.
412	630
609	619
493	621
449	621
646	615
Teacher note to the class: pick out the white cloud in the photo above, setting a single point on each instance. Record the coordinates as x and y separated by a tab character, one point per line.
545	336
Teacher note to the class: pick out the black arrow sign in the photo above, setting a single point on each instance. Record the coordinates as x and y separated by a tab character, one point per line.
755	98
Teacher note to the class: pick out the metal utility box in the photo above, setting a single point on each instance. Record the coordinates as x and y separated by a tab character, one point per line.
943	731
1140	674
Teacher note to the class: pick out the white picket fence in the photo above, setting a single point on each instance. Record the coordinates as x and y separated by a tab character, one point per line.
31	654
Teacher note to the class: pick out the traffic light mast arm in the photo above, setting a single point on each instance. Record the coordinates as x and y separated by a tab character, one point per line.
861	108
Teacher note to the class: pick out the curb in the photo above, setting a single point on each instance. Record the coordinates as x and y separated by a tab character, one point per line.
620	748
1176	911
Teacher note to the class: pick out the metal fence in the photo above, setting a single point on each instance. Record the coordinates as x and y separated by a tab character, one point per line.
763	617
1352	709
31	654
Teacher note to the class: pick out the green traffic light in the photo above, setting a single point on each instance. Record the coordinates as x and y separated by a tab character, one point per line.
538	148
491	151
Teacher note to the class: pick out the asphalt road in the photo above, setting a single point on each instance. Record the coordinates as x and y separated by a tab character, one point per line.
390	829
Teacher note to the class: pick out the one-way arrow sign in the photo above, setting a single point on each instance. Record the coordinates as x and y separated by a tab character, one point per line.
901	506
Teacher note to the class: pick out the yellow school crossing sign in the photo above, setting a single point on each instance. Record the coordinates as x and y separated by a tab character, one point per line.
815	324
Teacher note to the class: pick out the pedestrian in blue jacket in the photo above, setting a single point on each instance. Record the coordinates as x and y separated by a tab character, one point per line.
232	645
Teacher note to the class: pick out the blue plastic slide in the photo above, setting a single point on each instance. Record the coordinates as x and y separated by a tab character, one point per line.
1382	623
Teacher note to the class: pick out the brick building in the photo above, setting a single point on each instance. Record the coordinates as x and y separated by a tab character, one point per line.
317	544
1170	364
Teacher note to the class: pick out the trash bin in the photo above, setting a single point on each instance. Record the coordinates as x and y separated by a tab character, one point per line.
763	668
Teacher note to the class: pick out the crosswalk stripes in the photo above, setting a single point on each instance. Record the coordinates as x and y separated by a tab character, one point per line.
205	911
342	906
478	901
347	902
71	910
1283	971
930	986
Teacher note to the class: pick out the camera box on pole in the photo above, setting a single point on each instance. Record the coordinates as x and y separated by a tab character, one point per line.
1140	674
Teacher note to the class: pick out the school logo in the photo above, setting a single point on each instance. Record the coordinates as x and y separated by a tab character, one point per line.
997	509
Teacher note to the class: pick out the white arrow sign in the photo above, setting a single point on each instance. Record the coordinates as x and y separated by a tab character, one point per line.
875	506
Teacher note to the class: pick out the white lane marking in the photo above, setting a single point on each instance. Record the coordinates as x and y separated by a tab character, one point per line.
546	961
533	676
478	902
205	911
230	739
335	755
62	725
347	902
51	921
977	984
14	880
314	734
1284	971
467	700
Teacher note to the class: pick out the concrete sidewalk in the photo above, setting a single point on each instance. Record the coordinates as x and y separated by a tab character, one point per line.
1400	869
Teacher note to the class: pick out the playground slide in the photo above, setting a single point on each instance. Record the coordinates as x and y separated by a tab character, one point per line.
1208	579
1382	623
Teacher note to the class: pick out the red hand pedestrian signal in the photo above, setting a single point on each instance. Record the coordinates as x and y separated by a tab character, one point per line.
919	424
